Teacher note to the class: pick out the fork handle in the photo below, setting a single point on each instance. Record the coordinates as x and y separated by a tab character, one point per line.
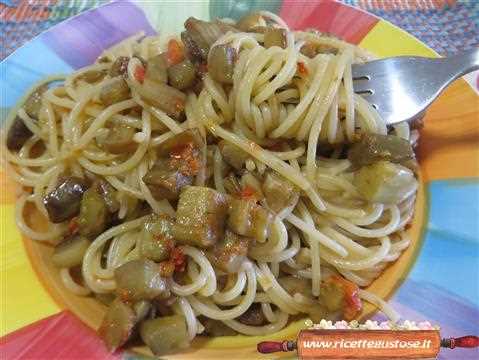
462	63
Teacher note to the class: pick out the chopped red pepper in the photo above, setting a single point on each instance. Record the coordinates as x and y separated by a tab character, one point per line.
175	52
185	157
247	193
302	68
73	226
140	73
178	259
352	302
167	268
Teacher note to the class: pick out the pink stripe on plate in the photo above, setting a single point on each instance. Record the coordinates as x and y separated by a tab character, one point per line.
60	336
343	21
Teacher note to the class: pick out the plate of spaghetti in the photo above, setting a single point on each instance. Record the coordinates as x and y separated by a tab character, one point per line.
191	183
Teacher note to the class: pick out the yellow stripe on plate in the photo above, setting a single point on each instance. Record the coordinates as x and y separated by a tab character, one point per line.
386	40
23	298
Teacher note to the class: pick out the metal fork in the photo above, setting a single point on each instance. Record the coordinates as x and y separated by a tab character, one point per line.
401	88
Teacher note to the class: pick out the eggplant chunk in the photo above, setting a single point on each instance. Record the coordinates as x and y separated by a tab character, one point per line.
253	316
248	22
141	309
69	253
275	37
34	102
165	181
229	254
166	334
108	193
182	75
156	241
93	216
119	67
165	97
217	328
248	219
64	201
279	192
200	35
118	139
385	182
233	155
374	147
180	141
221	61
293	285
18	134
201	216
140	280
157	69
117	325
114	92
331	296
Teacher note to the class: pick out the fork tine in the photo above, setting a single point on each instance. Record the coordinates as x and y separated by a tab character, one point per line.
361	71
363	87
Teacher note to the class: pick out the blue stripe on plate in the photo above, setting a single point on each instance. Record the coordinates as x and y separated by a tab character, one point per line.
29	64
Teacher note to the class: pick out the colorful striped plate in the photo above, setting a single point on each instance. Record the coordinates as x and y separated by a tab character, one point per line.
436	279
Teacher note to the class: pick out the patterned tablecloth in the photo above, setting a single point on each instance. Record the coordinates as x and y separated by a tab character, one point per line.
447	26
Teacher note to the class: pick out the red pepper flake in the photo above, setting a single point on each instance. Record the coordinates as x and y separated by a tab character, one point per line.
73	226
247	193
178	259
140	73
352	301
167	268
302	68
185	158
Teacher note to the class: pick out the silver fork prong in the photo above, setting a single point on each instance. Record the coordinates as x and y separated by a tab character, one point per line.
363	87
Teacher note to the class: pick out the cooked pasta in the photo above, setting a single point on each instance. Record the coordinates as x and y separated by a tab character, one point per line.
220	184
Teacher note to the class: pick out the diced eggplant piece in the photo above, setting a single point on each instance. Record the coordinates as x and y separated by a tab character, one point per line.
118	139
174	145
117	325
295	285
309	50
201	216
248	22
70	252
157	69
253	316
141	309
248	219
221	63
279	192
200	36
93	216
18	134
165	181
156	241
140	280
108	193
233	155
165	335
331	296
119	67
262	220
34	102
182	75
275	37
229	254
385	182
374	147
64	201
216	328
165	97
232	185
114	92
240	216
194	50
